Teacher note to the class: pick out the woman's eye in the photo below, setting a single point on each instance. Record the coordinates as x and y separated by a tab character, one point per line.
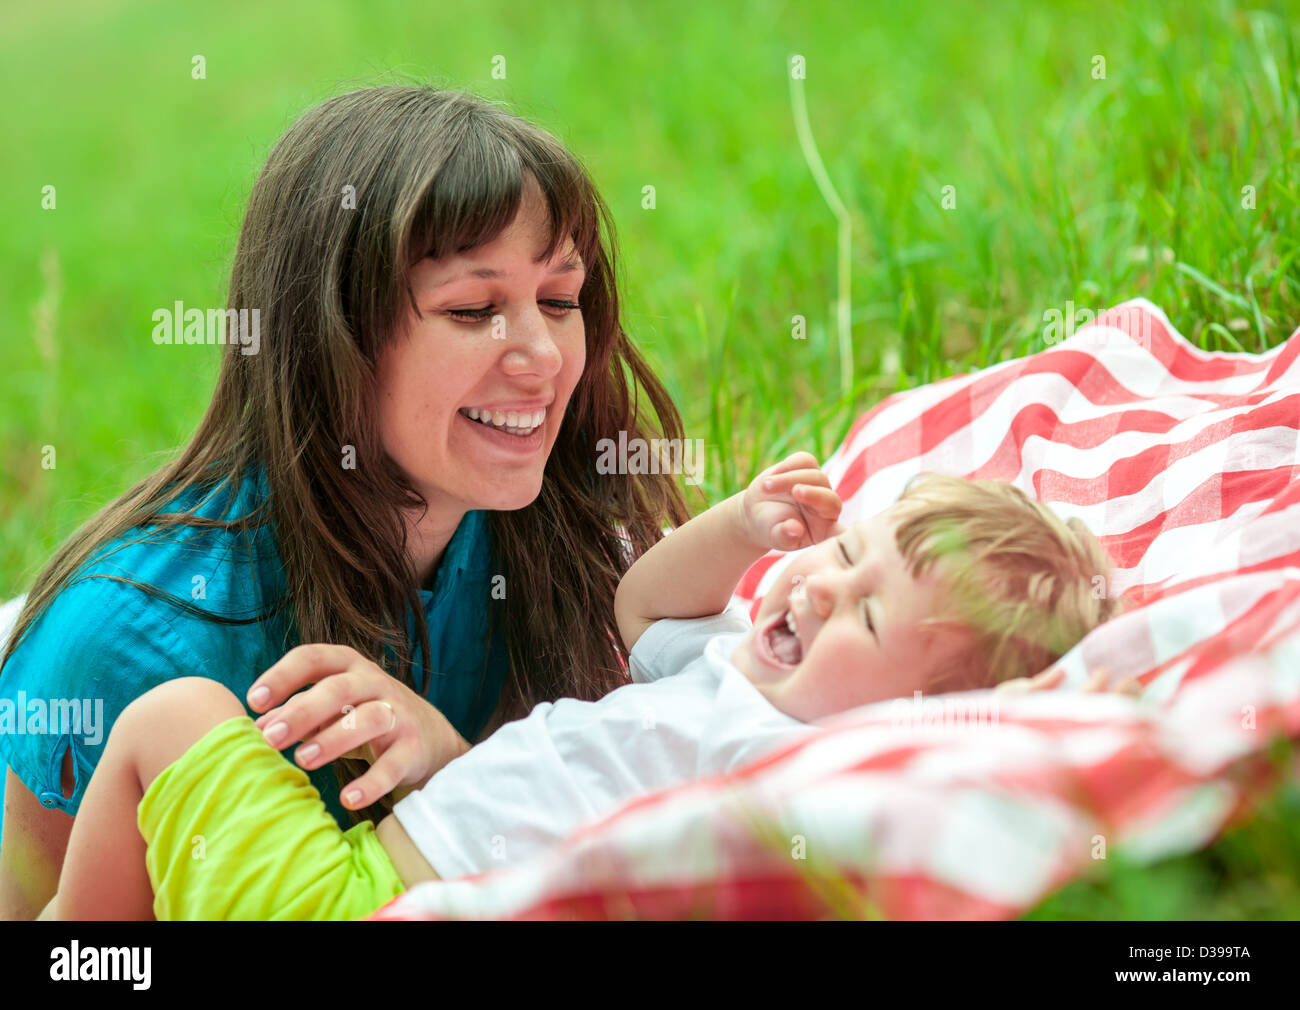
562	308
845	553
472	315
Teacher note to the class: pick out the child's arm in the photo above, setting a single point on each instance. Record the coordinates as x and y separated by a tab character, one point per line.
693	571
407	859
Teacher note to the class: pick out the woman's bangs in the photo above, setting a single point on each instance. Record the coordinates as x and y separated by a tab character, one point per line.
477	191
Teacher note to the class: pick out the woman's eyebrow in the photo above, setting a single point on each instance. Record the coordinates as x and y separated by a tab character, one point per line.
573	263
488	273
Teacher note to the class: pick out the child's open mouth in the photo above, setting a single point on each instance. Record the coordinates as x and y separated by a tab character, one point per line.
779	642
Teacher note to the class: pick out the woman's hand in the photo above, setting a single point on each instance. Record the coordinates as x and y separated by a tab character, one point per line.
1049	679
355	709
790	505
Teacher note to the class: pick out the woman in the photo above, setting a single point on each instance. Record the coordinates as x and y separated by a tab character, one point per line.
425	265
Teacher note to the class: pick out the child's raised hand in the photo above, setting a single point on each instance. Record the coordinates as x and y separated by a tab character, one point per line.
790	505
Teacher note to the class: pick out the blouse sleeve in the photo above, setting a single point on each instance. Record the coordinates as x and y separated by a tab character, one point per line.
99	644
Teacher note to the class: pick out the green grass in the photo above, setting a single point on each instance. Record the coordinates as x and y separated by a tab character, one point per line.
1251	872
1068	188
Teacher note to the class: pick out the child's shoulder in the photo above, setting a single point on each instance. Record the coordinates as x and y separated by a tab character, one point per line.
670	644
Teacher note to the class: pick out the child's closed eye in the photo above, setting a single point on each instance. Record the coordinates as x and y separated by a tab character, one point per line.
865	602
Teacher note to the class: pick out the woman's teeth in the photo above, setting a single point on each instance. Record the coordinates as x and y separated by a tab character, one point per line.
510	421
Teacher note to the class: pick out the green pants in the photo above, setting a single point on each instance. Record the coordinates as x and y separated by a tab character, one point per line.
235	831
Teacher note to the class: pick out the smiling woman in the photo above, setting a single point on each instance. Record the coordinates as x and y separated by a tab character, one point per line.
470	416
394	500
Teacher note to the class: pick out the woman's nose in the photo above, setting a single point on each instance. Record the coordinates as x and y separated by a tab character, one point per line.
532	347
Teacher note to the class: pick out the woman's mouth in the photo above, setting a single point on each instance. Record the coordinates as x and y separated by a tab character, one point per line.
520	423
520	434
778	642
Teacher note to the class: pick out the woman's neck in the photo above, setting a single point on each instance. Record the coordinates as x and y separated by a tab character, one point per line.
426	541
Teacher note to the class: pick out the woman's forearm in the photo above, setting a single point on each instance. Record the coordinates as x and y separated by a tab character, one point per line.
32	849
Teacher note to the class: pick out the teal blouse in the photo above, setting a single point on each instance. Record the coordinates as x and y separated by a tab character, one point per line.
103	642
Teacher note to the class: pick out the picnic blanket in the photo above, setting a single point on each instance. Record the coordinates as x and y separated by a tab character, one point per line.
1184	464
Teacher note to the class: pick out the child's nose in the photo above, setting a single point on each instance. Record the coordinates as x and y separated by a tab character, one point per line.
821	595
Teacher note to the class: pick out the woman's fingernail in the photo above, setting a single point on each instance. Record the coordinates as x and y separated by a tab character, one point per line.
352	797
259	694
308	753
276	732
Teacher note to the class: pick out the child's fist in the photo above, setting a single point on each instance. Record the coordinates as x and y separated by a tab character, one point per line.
790	505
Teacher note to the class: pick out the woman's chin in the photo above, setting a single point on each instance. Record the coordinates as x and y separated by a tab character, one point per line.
517	495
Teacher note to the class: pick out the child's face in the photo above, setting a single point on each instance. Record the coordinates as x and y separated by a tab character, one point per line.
834	661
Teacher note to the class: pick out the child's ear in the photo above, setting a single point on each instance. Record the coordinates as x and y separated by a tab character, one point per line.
960	671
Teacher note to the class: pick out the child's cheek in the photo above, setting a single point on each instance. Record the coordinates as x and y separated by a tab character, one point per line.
844	682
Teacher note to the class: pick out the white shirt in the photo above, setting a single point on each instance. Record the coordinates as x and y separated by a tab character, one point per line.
688	714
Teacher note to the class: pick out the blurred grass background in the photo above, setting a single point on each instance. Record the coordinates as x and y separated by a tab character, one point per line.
1068	188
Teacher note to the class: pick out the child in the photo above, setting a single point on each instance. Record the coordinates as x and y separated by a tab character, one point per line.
960	584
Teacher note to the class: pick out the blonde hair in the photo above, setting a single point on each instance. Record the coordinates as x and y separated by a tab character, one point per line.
1021	582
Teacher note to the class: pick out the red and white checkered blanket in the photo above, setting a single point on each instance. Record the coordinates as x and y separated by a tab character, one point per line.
1184	463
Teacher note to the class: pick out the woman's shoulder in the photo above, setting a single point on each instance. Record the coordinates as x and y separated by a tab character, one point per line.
89	627
157	603
94	648
223	560
153	595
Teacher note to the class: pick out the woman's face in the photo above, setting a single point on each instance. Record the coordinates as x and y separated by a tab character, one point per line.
497	342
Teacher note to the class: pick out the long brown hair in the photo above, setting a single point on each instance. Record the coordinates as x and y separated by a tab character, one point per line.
433	172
